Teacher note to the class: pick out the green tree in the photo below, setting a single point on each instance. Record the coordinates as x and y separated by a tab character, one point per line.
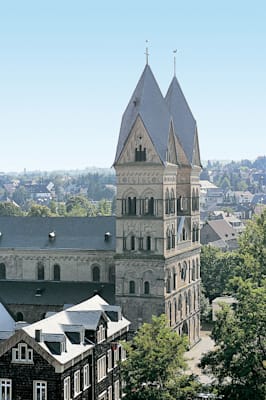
217	268
10	209
239	359
37	210
80	206
154	368
252	247
104	207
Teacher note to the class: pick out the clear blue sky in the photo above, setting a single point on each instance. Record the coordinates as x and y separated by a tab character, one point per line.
68	69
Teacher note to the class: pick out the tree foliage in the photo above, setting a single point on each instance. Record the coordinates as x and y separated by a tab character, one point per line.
37	210
154	368
80	206
239	359
217	268
8	208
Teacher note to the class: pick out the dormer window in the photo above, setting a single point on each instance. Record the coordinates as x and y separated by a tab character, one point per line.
101	334
22	354
52	235
140	154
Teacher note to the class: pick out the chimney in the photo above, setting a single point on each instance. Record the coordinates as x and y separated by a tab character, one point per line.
38	333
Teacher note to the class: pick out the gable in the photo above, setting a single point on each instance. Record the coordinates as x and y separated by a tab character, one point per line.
196	152
171	148
181	156
138	141
20	337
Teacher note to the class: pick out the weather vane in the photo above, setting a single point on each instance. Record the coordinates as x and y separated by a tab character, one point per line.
147	53
175	51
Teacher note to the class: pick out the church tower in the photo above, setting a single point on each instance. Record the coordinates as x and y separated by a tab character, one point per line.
157	166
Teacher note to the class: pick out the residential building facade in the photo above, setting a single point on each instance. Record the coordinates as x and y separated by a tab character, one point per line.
73	354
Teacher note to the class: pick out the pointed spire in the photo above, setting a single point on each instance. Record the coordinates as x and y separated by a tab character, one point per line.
148	103
184	122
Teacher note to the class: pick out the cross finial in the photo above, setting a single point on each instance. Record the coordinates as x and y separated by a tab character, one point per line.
147	53
175	51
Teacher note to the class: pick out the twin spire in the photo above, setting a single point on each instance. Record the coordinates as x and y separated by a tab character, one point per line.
159	114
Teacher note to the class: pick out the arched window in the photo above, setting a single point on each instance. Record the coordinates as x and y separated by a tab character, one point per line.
148	243
179	306
180	203
193	200
140	154
168	283
132	205
57	272
96	274
197	200
197	269
167	202
146	287
147	206
112	274
2	271
173	237
189	302
132	287
168	233
19	316
174	280
172	202
184	271
40	271
194	233
175	311
170	313
197	233
195	298
186	304
132	242
193	270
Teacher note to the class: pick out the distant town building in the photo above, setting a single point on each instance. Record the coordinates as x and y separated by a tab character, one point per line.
219	233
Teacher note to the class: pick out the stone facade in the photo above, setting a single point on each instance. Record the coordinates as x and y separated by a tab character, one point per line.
157	218
74	265
155	256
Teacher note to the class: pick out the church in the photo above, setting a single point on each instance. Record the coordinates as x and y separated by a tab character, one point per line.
146	259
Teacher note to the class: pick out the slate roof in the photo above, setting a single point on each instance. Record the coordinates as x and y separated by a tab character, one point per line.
157	113
53	293
56	326
184	123
75	233
83	314
216	230
259	198
148	102
7	323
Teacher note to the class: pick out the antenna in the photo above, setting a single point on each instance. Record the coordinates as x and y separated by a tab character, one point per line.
147	53
175	51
